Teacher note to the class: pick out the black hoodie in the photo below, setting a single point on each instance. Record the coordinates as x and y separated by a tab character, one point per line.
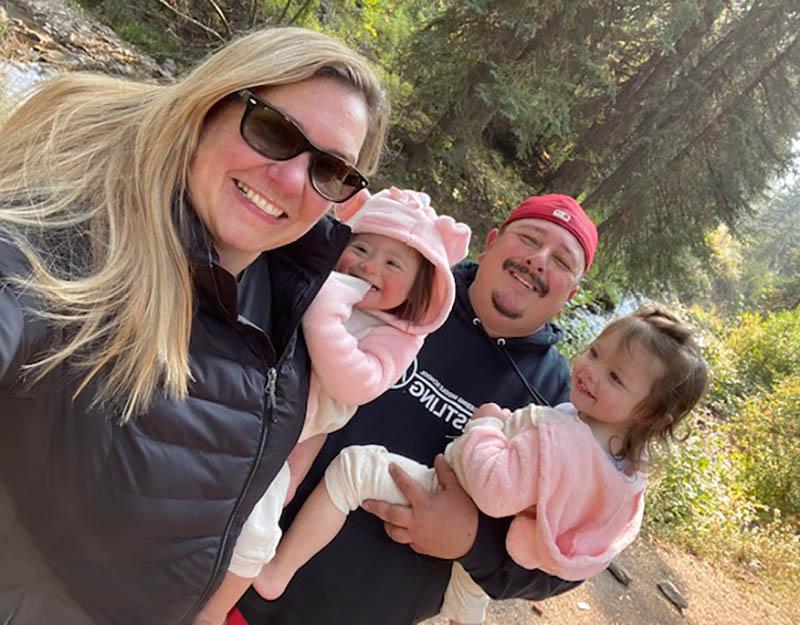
363	577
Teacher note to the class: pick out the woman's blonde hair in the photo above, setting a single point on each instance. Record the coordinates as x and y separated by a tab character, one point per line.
92	186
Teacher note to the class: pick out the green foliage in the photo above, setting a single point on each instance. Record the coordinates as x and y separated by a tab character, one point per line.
141	24
766	348
732	490
590	309
767	433
724	390
148	38
702	498
755	267
667	119
579	328
697	489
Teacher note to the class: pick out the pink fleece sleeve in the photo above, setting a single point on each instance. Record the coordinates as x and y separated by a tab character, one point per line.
499	471
353	371
587	511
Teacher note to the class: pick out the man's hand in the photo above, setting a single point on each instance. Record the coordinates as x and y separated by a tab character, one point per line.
491	410
441	524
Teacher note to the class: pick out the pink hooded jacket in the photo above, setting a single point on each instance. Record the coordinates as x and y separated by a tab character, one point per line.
574	509
355	368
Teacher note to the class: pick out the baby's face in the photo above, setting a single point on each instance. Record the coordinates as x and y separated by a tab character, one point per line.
387	264
610	378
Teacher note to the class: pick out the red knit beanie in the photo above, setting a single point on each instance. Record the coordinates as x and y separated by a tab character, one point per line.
563	211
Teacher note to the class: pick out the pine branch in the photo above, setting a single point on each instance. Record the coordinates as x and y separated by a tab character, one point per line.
191	20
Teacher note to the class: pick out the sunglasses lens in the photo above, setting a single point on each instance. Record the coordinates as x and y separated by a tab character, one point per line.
335	179
272	135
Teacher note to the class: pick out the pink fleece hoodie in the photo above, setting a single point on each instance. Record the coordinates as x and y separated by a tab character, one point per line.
574	509
355	360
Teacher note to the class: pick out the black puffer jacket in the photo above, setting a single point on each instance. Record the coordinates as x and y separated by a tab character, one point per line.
128	525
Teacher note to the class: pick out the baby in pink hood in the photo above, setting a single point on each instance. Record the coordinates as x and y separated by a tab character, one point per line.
570	476
391	288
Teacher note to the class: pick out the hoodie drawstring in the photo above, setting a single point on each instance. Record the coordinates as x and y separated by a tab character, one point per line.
500	344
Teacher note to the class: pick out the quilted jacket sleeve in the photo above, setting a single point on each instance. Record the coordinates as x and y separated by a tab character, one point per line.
12	328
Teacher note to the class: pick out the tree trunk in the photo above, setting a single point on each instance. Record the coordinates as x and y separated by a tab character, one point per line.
653	78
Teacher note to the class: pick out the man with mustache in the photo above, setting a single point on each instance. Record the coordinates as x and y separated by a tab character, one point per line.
497	346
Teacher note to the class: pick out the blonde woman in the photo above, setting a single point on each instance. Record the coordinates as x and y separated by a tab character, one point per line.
158	247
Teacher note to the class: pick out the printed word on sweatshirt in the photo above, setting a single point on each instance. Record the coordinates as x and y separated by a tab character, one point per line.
435	397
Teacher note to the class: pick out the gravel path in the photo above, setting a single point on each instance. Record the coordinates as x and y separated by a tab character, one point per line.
714	597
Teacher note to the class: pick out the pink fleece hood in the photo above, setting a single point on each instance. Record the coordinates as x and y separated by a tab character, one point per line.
407	216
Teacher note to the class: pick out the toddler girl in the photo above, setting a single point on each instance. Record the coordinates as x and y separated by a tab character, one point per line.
392	286
571	475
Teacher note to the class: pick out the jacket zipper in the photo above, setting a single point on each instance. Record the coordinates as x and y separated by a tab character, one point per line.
272	382
272	379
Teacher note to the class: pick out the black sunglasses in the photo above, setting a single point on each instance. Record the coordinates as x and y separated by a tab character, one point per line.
270	133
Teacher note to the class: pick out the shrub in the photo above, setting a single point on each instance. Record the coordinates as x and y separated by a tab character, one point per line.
700	498
723	395
766	348
767	439
696	490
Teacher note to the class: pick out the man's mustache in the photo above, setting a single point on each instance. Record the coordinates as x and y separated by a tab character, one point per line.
534	278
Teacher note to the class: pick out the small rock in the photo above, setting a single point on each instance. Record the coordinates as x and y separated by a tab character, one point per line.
755	566
582	605
170	67
618	571
669	590
537	609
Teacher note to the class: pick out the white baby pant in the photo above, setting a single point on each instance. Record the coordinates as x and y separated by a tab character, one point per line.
362	472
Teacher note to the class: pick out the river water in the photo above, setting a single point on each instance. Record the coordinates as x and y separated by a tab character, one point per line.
15	77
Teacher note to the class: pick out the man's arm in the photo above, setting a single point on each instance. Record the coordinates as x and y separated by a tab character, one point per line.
489	564
447	525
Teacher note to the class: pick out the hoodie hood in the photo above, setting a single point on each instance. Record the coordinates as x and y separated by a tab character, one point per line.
407	216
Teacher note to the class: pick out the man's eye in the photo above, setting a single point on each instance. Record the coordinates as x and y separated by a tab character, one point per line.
532	241
563	264
592	352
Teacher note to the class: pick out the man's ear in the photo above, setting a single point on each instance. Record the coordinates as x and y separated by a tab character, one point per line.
490	239
572	293
569	297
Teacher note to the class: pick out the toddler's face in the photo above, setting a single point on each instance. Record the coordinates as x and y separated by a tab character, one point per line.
609	379
387	264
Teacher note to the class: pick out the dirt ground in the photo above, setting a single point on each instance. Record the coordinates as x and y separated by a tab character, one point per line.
714	597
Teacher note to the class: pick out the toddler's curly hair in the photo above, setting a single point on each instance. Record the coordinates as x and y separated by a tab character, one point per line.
660	332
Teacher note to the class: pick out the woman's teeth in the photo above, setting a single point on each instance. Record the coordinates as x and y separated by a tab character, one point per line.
259	200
